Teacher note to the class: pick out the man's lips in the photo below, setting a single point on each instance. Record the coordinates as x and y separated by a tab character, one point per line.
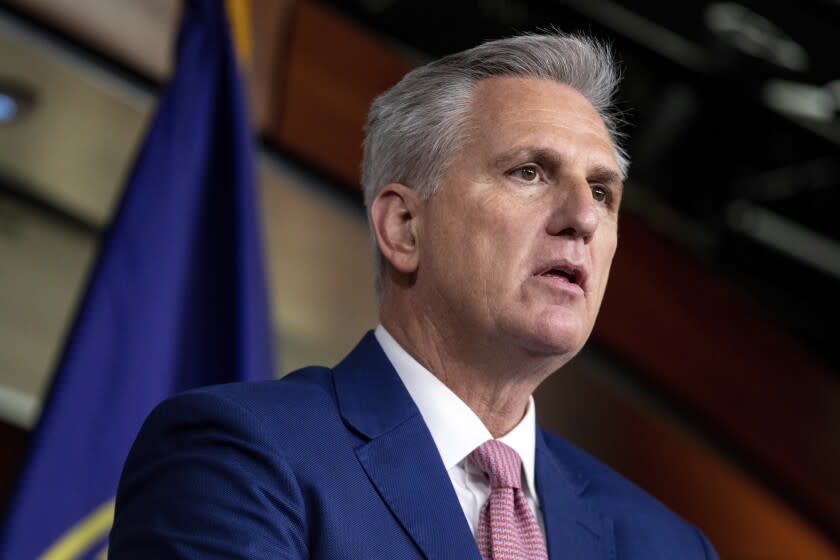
565	272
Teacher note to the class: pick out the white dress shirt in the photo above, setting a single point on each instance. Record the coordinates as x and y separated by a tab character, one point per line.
457	431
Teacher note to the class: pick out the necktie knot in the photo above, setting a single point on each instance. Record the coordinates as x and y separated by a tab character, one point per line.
500	463
507	527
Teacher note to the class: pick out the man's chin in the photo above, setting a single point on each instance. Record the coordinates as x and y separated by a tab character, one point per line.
562	344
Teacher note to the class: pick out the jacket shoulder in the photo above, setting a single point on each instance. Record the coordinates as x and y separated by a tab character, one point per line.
210	473
300	390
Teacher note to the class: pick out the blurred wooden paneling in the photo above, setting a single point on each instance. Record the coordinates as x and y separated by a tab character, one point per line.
271	22
335	69
691	333
742	518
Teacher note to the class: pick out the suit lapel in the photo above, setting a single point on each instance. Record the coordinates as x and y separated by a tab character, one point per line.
573	530
406	469
400	456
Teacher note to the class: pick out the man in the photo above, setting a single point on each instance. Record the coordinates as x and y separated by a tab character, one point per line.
493	180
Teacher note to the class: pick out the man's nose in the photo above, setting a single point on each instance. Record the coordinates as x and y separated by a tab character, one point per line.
575	212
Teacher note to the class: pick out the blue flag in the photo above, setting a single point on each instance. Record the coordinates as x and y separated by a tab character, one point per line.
177	299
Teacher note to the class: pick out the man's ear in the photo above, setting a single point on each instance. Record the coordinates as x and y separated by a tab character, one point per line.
394	215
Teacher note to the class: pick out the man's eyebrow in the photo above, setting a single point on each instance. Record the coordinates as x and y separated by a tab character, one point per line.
531	153
605	175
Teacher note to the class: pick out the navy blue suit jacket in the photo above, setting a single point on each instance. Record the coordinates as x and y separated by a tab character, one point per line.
338	464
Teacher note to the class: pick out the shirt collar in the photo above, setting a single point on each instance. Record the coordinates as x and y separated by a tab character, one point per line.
455	428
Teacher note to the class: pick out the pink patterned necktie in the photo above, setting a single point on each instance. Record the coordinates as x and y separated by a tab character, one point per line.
507	526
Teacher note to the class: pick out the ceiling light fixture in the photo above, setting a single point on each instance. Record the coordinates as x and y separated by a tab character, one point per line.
755	35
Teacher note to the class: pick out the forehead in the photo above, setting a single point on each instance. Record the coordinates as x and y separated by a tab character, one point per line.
510	109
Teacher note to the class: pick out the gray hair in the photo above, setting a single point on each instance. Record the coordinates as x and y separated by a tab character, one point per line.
415	128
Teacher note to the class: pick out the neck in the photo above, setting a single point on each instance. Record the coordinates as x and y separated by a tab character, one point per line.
496	383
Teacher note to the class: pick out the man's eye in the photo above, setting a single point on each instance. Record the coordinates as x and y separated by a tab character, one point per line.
600	193
527	173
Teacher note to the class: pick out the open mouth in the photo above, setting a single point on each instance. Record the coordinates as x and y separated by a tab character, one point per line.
569	275
566	272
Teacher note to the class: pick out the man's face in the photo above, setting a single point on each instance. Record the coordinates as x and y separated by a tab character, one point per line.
516	245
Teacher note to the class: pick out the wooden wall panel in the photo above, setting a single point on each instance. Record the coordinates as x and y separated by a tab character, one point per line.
741	517
691	333
335	69
271	22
